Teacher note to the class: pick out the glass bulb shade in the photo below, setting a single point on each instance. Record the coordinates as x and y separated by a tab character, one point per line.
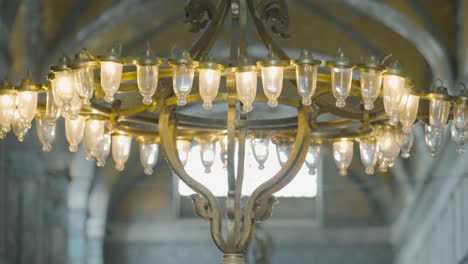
208	154
306	78
52	112
149	156
433	138
388	145
111	75
75	108
7	111
64	87
20	128
272	80
438	113
393	89
87	149
147	76
182	81
103	150
56	98
246	84
26	102
94	131
343	154
121	145
407	144
84	84
282	151
209	80
341	84
74	131
260	150
223	142
45	132
371	81
460	116
313	158
369	154
409	112
459	137
183	148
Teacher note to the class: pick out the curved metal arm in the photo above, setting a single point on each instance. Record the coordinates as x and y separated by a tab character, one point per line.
168	142
280	180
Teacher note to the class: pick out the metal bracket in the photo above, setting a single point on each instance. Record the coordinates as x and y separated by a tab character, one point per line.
274	14
198	13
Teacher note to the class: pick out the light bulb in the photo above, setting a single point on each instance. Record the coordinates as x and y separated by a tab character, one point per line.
74	131
207	153
393	86
183	148
388	145
209	80
408	112
45	132
459	137
26	103
306	75
343	154
87	149
272	80
84	84
64	87
121	145
111	74
52	112
246	84
7	110
433	138
20	128
94	131
260	149
460	116
283	148
438	113
341	84
103	149
407	144
147	76
223	142
369	153
313	158
182	81
371	81
149	150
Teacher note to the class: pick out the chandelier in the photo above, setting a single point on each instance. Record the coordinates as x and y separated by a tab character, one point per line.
334	102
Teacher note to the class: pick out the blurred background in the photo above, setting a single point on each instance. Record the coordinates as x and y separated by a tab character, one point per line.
58	207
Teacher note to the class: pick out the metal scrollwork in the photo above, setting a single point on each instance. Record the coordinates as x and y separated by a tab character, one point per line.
274	13
198	13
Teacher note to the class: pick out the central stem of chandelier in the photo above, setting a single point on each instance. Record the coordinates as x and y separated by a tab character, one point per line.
381	120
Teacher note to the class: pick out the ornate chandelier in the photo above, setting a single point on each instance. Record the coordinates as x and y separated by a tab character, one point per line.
335	102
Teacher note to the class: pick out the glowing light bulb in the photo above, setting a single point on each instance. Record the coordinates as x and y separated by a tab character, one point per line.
207	153
64	87
20	128
26	102
438	114
74	131
371	81
260	149
459	137
94	131
7	110
183	148
313	158
272	80
393	86
460	116
45	132
182	82
52	112
111	74
246	84
388	145
149	150
209	80
103	150
121	145
147	76
306	75
343	154
408	112
368	150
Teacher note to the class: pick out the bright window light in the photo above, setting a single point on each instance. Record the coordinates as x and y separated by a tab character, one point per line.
303	185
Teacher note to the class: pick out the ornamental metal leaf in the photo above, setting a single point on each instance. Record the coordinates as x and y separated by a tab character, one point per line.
275	15
198	13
